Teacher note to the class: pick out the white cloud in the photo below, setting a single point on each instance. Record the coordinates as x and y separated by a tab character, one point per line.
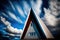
12	5
14	30
20	11
36	6
19	20
4	21
13	34
26	8
53	8
4	14
9	27
50	19
14	17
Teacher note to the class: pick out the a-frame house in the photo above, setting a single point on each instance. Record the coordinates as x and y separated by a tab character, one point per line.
43	31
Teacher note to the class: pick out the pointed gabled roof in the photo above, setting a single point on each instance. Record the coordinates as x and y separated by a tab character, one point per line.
33	17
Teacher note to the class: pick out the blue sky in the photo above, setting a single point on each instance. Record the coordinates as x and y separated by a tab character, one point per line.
16	11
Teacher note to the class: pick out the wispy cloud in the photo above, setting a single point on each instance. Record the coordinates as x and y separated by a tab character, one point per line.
20	11
12	5
4	14
36	6
19	20
26	8
14	17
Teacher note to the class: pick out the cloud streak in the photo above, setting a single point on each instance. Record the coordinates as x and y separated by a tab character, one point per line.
26	8
12	5
14	17
20	11
36	6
